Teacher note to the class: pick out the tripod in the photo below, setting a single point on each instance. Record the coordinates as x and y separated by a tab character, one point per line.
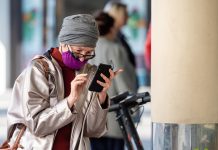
122	105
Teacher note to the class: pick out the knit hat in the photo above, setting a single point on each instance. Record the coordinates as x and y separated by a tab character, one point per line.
79	30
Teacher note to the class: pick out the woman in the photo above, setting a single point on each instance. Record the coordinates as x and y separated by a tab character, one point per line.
107	51
118	11
58	111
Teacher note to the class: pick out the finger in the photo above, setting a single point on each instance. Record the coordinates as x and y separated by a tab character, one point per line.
79	82
105	85
111	74
80	78
118	72
105	78
82	75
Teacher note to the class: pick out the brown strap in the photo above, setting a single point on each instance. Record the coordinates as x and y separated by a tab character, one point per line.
12	131
45	66
17	141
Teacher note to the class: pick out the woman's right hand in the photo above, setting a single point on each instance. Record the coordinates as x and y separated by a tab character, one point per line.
77	85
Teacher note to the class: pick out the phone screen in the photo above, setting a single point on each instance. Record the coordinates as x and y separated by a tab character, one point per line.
104	69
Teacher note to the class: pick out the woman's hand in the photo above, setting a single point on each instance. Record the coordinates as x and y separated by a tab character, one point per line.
77	85
102	95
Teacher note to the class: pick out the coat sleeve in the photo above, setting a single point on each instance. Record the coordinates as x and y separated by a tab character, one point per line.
40	118
96	121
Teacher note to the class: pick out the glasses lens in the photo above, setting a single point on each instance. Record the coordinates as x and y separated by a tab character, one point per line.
89	56
86	57
74	54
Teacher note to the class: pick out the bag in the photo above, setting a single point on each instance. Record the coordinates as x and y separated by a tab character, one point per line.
22	127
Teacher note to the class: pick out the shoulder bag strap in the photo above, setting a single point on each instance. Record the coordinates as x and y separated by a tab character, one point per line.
20	134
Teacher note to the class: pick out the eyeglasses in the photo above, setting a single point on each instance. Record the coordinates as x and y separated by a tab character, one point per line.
79	55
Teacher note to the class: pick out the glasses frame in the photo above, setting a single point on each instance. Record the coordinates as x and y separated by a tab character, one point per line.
79	55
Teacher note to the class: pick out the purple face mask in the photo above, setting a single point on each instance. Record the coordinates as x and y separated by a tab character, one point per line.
71	61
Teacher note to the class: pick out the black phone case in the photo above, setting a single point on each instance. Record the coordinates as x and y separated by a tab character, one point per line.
102	68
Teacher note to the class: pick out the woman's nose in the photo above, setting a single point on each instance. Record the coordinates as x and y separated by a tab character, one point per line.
82	59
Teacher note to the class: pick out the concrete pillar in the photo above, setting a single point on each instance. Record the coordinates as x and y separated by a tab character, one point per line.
184	77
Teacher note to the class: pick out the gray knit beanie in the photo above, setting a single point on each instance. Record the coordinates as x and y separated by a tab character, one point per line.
79	30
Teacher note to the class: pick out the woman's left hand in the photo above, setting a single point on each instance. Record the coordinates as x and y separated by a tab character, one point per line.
103	94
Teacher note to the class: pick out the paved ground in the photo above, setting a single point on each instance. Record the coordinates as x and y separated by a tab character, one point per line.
144	127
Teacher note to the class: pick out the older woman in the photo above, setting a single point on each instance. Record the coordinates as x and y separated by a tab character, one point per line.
58	110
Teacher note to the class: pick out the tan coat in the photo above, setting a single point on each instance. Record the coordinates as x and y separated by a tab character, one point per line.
40	105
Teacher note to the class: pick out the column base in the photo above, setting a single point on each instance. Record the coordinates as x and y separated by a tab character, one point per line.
184	136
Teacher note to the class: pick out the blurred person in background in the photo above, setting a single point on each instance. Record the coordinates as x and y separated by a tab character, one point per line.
119	12
109	50
58	110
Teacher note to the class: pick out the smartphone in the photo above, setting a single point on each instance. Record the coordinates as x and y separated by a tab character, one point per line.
104	69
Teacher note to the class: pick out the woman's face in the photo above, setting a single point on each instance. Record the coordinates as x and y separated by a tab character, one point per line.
121	17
